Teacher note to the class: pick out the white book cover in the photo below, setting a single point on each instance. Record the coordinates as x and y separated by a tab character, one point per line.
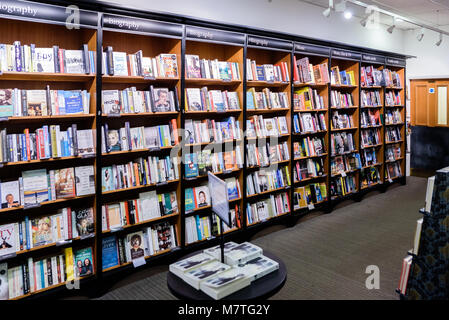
242	253
184	265
225	283
120	63
4	287
35	186
43	60
74	61
85	180
194	99
195	276
202	196
8	239
429	193
258	267
307	121
111	102
10	194
86	144
149	205
417	235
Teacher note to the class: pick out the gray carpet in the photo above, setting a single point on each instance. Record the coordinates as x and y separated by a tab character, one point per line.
326	255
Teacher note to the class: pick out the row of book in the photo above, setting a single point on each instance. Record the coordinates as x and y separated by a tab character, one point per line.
341	99
344	77
267	180
199	163
266	154
137	138
305	72
48	142
371	117
118	250
369	176
308	168
139	172
370	98
40	185
371	76
210	130
345	163
29	58
266	99
392	78
393	116
370	137
273	206
308	195
342	120
123	64
309	123
267	72
392	99
393	170
342	142
393	152
131	100
342	186
393	134
197	68
307	99
368	157
309	147
203	99
131	211
260	127
37	103
33	275
29	233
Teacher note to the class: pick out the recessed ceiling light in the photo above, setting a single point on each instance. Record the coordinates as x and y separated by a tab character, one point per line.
348	14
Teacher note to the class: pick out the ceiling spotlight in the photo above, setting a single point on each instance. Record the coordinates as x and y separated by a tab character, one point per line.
439	41
341	6
348	15
420	34
327	12
390	29
364	21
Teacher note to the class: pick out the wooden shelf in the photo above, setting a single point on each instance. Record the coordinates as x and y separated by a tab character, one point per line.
310	179
42	161
344	196
65	117
216	173
343	86
130	263
115	153
369	185
145	222
394	88
347	172
268	137
54	244
395	124
391	161
255	83
371	127
139	187
371	107
372	146
141	114
344	129
372	165
226	112
396	106
307	133
208	143
44	76
371	87
309	157
393	142
210	82
313	110
313	85
136	79
344	153
345	108
271	164
267	192
266	220
268	110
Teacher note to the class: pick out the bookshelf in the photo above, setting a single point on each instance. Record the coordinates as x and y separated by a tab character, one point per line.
213	137
395	100
38	243
311	97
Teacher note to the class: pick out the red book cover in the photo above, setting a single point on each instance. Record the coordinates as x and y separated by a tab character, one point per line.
107	216
69	222
295	70
27	138
61	60
42	142
175	131
38	148
127	213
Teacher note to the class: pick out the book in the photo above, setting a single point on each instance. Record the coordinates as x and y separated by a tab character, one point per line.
202	196
65	183
179	268
193	69
8	239
4	287
258	267
10	194
107	180
242	253
419	224
35	186
225	283
120	63
110	101
84	220
161	98
6	103
73	102
85	142
429	193
135	245
84	180
201	273
405	272
41	231
44	60
36	102
74	61
109	252
83	260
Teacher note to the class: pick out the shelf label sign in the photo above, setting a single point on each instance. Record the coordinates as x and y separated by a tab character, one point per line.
113	21
395	62
214	35
219	196
346	54
270	43
307	48
373	58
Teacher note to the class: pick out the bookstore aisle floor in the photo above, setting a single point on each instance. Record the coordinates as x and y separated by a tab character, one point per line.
326	255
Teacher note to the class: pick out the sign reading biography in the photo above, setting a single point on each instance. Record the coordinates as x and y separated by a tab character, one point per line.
198	33
112	21
344	54
219	195
270	43
46	12
396	62
312	49
371	58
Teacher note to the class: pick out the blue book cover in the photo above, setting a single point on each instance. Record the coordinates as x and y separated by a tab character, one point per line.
61	103
73	102
344	78
250	100
24	147
6	103
198	228
27	233
191	165
260	73
107	179
41	263
189	200
109	252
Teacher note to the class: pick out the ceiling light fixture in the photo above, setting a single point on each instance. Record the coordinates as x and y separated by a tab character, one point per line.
364	21
439	41
420	34
391	28
347	14
327	12
341	6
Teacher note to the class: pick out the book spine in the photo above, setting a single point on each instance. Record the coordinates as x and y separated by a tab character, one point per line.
86	59
18	56
55	59
24	102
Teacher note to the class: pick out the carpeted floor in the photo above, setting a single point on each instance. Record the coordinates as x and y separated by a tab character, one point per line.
326	255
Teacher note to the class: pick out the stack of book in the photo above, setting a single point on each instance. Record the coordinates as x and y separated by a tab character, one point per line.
343	186
123	64
243	263
157	238
267	72
197	68
369	176
264	155
138	138
305	72
392	152
266	99
309	123
370	137
309	147
307	169
370	98
393	134
368	157
199	163
210	130
28	58
370	118
33	275
307	99
38	103
131	100
340	164
393	99
211	100
342	77
139	172
313	193
342	142
260	127
341	121
341	100
275	205
371	77
46	143
393	117
392	78
267	180
393	170
132	211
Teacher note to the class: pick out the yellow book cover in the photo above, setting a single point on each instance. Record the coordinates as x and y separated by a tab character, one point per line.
69	263
351	77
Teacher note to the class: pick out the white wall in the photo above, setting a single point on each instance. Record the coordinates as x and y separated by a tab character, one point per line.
290	16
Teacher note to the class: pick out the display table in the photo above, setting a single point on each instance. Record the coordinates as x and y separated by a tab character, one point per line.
262	288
